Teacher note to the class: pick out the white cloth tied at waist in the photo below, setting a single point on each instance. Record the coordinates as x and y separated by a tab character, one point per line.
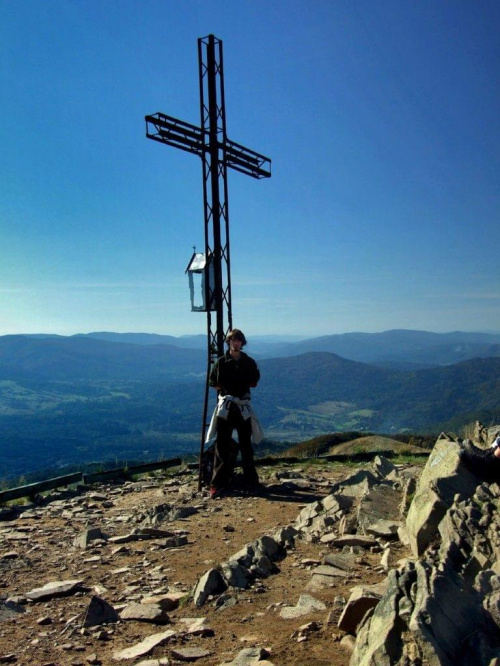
221	411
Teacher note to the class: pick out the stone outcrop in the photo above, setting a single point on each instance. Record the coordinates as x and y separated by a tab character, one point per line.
443	608
369	500
443	477
355	506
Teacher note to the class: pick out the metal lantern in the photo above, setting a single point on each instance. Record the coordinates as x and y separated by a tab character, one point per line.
198	269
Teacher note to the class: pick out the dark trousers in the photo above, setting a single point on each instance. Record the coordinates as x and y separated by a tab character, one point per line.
224	449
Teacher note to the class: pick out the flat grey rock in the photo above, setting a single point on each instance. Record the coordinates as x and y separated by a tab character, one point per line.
249	657
167	602
381	503
355	540
189	653
154	533
345	561
145	613
123	538
319	582
329	570
172	542
385	529
84	539
55	589
305	605
144	647
196	626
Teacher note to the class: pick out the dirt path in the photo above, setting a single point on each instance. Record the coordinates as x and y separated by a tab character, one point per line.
38	548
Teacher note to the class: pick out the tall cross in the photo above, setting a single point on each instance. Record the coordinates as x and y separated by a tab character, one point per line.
209	141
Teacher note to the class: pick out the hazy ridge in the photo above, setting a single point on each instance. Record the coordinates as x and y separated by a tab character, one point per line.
66	400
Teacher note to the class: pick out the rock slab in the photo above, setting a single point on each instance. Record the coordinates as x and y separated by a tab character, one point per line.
144	647
54	589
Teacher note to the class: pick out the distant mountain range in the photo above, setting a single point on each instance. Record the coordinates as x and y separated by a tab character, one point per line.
135	396
89	358
402	347
396	348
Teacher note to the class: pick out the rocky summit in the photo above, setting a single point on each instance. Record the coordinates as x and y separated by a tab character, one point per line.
325	565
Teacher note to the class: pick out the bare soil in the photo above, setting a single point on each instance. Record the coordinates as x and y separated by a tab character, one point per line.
38	548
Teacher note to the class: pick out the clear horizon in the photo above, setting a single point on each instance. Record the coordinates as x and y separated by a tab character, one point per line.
381	121
297	336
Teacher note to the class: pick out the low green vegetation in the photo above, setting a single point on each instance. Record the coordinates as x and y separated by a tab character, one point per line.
360	442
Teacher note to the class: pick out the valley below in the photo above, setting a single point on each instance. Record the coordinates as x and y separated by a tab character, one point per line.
65	402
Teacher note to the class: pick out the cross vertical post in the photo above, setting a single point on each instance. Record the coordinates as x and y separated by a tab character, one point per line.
216	213
217	152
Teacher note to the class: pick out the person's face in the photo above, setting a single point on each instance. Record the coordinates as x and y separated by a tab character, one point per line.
235	344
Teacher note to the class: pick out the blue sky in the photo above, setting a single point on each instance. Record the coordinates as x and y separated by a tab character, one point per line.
381	120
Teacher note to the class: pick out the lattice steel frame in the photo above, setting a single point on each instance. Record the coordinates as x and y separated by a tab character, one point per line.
215	192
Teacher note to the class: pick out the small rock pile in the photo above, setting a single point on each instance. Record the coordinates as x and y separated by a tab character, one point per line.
362	513
255	560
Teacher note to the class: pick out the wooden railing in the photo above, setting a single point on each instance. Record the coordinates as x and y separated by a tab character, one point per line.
33	489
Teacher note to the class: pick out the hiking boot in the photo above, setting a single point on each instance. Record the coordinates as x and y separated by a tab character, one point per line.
252	487
257	488
215	492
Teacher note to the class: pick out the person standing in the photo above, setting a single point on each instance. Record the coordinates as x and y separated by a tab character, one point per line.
233	375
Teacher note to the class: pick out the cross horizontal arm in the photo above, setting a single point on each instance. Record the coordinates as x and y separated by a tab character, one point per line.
177	133
247	161
174	132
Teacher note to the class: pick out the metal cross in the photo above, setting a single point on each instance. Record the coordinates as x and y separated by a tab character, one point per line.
209	141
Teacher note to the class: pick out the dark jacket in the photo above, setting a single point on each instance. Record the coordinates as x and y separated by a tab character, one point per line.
234	377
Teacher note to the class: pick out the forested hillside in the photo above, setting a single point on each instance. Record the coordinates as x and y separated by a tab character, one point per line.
76	400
